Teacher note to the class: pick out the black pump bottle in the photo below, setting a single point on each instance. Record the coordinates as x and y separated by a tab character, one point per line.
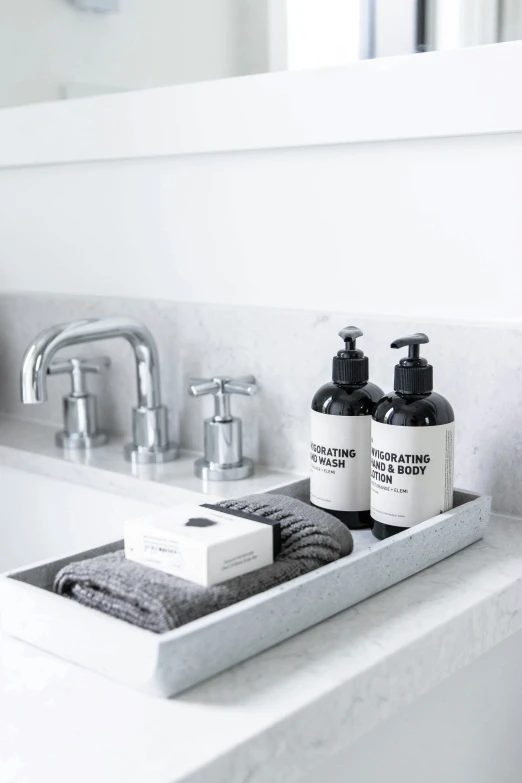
412	447
340	436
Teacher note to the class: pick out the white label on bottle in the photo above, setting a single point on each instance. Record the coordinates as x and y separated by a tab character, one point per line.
411	473
339	461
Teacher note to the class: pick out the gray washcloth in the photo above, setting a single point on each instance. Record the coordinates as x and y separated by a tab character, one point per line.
159	602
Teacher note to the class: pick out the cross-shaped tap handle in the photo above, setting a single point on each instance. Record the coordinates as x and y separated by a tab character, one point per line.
222	387
77	368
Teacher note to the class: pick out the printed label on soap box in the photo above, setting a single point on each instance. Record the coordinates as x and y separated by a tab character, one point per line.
200	544
339	460
411	473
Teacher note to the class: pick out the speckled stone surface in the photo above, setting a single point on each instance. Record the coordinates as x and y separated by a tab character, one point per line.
197	340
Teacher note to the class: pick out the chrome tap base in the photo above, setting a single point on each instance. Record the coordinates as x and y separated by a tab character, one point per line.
150	438
79	441
210	472
139	455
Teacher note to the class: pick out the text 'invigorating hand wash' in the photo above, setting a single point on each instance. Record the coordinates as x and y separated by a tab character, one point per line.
412	444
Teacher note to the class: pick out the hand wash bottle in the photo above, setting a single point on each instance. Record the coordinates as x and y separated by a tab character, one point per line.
412	447
340	436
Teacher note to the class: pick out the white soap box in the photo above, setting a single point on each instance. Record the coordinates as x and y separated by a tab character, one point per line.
200	543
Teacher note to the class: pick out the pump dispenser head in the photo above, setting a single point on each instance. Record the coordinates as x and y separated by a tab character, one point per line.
350	366
413	374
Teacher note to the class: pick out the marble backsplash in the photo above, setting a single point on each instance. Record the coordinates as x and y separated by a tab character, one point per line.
477	366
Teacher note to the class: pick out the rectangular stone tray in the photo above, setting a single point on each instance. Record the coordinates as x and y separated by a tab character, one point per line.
165	664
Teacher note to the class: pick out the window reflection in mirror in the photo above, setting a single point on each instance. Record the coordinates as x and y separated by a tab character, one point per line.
62	49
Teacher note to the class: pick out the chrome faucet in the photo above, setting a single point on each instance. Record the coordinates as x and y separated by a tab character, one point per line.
150	442
223	460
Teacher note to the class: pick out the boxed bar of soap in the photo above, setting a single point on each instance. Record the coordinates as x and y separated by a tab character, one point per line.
203	544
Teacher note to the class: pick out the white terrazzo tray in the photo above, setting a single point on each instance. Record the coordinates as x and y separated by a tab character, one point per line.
165	664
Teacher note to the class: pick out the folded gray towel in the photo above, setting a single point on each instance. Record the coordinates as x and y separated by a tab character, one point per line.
159	602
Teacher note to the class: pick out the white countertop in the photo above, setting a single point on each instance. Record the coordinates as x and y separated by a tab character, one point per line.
30	446
279	714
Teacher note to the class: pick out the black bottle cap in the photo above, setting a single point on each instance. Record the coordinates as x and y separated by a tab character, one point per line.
413	374
350	365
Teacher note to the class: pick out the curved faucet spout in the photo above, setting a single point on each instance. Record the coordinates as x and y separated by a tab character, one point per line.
40	353
150	443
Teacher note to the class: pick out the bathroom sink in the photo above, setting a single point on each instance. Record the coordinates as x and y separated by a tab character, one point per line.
44	517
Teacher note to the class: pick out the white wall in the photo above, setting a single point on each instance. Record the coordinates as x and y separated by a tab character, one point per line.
416	228
322	34
49	47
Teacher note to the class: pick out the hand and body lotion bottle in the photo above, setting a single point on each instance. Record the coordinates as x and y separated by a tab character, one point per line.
412	441
340	436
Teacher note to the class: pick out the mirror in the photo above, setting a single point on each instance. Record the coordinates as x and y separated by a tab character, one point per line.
62	49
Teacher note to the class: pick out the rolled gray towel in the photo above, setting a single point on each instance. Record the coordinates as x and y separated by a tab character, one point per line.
159	602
